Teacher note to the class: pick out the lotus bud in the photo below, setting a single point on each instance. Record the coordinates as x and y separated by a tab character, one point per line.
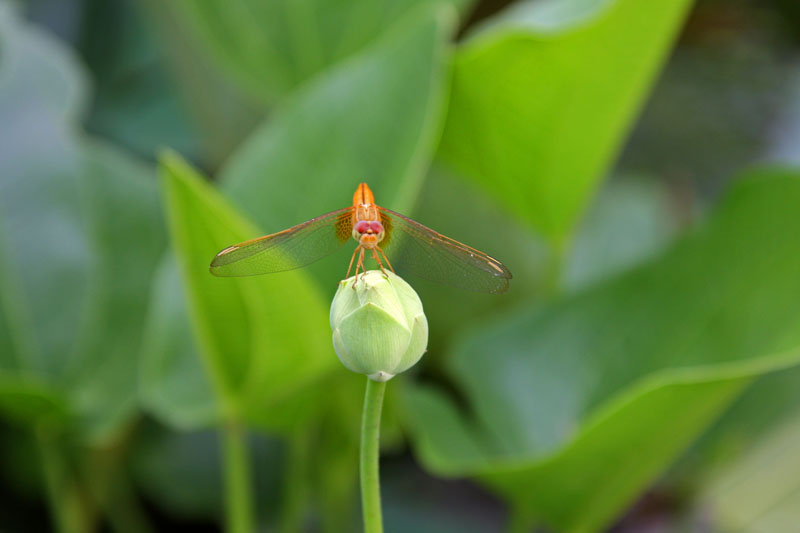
379	328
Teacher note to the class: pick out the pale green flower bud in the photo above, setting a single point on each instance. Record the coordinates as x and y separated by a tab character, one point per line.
379	329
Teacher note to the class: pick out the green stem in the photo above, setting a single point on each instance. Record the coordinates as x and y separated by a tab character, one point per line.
370	453
66	507
108	482
296	489
125	514
238	485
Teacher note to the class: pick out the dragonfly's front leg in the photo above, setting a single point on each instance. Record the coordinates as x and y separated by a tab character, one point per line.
385	259
377	259
359	264
352	258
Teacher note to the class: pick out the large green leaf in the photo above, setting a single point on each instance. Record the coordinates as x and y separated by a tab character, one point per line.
580	404
41	85
630	221
273	47
135	102
742	475
542	97
173	385
372	119
81	234
128	239
265	340
221	114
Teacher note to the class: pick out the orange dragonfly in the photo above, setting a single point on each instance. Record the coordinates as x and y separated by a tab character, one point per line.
378	230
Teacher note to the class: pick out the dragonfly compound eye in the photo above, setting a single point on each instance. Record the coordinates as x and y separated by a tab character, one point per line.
362	226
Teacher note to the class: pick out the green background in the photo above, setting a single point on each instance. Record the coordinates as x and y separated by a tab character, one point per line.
634	164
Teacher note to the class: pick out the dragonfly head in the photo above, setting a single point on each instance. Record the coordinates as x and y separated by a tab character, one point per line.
368	233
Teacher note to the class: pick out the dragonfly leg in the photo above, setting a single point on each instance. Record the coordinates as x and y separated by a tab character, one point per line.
352	258
359	265
386	259
380	263
363	268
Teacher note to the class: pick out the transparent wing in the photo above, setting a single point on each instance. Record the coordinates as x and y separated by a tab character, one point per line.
288	249
432	256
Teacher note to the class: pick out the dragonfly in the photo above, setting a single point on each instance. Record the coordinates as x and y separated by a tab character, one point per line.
380	233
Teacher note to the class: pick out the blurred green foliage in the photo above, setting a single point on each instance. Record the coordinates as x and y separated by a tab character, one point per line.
681	347
542	96
642	344
82	235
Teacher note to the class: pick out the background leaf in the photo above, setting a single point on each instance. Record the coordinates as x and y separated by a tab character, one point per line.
81	235
264	340
135	103
542	98
177	474
372	119
220	114
127	231
173	385
630	221
272	48
759	491
585	405
739	476
51	258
